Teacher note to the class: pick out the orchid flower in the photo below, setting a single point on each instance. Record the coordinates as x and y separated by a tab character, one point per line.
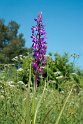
39	46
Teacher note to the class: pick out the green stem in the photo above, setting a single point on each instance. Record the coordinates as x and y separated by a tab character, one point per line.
28	100
33	105
39	103
58	119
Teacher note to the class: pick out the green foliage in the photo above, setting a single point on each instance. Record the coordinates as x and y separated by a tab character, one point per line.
20	103
63	64
60	70
8	72
14	104
24	68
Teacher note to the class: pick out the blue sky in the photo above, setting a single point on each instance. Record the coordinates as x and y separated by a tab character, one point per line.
63	19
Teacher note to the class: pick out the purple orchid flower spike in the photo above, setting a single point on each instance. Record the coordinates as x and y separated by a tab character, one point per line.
40	16
39	46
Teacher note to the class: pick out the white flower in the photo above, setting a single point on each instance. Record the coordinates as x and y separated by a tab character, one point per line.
20	55
74	74
1	86
21	58
57	72
20	69
59	77
10	82
16	57
1	96
12	86
24	57
20	82
62	92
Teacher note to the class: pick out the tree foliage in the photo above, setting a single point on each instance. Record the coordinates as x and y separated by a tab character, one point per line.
12	43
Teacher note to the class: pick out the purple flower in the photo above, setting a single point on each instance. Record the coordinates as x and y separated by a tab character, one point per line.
41	70
42	51
35	65
39	45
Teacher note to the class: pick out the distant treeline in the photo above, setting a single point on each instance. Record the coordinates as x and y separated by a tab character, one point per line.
12	43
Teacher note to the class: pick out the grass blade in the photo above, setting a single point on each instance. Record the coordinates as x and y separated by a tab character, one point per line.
28	100
43	120
58	119
38	105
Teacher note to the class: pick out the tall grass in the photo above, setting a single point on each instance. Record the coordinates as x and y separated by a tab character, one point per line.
43	105
63	107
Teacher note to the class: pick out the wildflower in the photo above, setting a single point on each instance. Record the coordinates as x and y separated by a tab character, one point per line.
74	74
59	77
2	97
20	69
57	72
20	55
10	82
39	46
20	82
12	86
15	58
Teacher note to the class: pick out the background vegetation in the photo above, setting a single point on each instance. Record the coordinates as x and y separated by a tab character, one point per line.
59	96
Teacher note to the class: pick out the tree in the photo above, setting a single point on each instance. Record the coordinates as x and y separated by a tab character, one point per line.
12	43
